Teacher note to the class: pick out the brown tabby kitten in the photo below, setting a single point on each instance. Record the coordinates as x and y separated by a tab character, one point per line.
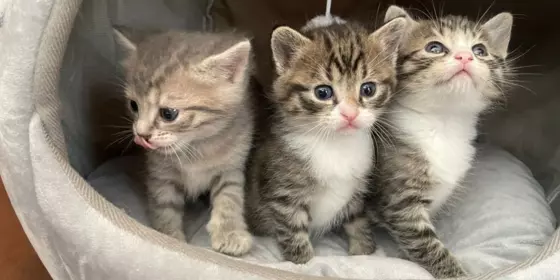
311	174
450	69
189	98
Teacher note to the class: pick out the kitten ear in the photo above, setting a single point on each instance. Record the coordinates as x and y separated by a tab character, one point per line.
390	36
229	65
285	43
394	12
498	29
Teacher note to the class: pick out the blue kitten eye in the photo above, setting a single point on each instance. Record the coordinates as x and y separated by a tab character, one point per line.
133	106
323	92
168	114
368	89
479	50
435	47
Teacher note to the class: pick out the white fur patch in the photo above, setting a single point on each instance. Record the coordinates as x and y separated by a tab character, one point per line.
445	139
340	163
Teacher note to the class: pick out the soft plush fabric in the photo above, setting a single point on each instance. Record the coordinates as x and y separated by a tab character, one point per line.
500	219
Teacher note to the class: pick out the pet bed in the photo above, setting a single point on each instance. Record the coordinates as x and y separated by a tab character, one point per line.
58	60
490	227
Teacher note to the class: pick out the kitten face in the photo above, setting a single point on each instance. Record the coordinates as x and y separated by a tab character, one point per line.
183	88
336	78
453	56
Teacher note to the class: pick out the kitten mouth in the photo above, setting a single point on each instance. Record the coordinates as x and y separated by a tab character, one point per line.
143	143
347	127
463	72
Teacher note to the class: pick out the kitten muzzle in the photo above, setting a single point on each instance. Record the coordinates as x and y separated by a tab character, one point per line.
142	142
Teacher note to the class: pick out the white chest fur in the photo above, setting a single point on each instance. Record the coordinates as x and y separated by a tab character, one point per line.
340	164
445	141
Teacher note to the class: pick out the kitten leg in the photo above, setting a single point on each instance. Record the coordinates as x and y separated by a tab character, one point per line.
227	226
359	230
166	208
410	225
292	233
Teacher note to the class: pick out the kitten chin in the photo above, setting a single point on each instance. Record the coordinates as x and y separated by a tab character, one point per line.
197	138
311	174
450	70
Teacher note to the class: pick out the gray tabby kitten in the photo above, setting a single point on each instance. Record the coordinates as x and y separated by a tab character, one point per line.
311	173
189	99
450	70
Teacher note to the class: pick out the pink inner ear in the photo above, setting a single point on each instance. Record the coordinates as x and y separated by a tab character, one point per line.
233	67
230	64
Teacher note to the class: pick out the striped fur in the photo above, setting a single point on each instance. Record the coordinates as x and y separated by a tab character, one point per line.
433	123
308	176
205	78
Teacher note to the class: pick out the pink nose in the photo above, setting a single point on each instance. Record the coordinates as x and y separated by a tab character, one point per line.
349	117
348	112
464	57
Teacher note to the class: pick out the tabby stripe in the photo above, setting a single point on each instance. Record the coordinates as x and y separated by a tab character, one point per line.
364	70
285	227
216	191
418	253
205	109
188	122
401	60
440	258
296	88
284	220
328	43
405	203
206	122
382	98
419	68
356	62
333	60
309	105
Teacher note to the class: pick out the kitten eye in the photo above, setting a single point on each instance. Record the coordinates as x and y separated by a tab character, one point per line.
479	50
368	89
324	92
134	106
435	47
168	114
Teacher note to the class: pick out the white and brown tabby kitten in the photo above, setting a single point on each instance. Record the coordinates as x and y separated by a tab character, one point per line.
188	94
450	69
311	173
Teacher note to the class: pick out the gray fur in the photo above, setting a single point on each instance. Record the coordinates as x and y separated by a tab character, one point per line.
417	169
286	184
205	77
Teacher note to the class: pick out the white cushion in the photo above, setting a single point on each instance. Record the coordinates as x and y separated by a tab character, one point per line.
500	218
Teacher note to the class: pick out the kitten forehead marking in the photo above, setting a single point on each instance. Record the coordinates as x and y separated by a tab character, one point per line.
167	57
343	56
200	75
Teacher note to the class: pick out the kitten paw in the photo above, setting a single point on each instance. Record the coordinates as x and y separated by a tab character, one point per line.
448	269
233	243
299	254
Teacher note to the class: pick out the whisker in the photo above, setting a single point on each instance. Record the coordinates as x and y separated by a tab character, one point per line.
118	141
